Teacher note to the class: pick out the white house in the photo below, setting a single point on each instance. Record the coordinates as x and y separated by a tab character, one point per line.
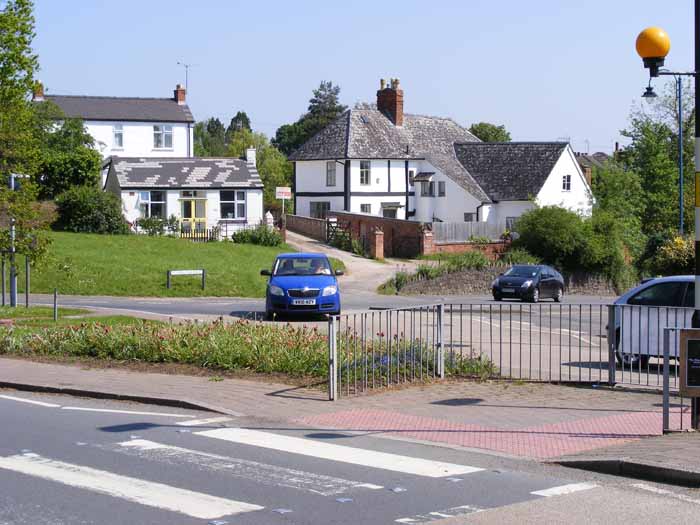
202	193
380	161
131	126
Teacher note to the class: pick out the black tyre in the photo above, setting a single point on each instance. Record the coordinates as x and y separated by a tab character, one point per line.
497	297
559	295
269	315
630	361
535	297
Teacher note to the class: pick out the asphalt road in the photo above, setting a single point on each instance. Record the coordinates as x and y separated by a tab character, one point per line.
67	460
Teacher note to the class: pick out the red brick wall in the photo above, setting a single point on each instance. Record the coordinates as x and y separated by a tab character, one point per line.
314	228
492	250
401	238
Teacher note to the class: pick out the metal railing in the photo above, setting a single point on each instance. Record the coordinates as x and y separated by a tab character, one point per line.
549	342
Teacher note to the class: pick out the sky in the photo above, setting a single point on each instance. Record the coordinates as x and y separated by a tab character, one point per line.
546	69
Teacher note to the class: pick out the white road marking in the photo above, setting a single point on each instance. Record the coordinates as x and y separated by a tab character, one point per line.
564	489
664	492
132	412
453	512
344	454
30	401
270	475
136	490
197	422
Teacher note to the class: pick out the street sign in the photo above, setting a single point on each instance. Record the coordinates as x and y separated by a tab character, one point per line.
283	192
690	362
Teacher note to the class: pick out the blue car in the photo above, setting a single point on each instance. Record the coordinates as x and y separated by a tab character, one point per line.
302	283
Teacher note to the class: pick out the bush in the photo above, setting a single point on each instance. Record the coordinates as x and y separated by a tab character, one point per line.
519	256
479	240
676	256
154	226
262	235
87	209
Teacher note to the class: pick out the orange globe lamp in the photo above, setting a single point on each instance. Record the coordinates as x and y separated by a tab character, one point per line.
653	44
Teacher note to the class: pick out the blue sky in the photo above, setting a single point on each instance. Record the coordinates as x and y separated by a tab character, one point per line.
546	69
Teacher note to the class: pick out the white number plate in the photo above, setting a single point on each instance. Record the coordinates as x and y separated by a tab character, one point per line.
304	302
508	290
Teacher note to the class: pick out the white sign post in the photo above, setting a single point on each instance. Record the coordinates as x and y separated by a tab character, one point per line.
284	193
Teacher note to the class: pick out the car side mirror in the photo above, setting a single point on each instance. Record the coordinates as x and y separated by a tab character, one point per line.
265	272
339	272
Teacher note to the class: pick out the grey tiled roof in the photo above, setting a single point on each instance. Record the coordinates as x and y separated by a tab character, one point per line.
510	170
592	160
122	108
200	173
368	134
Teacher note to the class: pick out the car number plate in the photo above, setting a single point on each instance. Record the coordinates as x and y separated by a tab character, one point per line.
508	290
304	302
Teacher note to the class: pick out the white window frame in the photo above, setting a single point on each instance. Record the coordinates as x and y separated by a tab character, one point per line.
239	199
427	188
330	173
441	188
510	222
117	131
148	203
366	208
162	134
566	183
365	172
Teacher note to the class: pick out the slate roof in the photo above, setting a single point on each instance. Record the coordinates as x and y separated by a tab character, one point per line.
122	108
367	133
592	160
510	170
199	173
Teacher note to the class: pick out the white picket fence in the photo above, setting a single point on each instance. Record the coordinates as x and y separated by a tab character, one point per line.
462	231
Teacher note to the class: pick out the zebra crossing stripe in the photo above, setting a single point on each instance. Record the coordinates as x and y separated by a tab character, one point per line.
194	504
564	489
209	421
270	475
341	453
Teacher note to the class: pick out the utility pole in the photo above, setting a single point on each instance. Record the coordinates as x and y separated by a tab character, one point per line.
13	266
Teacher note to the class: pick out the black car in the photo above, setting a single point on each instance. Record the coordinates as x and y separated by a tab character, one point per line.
529	282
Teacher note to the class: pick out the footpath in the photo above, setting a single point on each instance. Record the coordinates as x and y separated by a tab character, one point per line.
611	430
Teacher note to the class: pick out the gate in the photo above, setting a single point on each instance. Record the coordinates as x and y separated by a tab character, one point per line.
338	234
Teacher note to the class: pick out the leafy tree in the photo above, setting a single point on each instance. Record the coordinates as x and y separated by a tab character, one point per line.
19	149
68	159
238	122
324	108
490	132
88	209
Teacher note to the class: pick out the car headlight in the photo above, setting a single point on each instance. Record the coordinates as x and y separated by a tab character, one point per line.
330	290
526	284
276	290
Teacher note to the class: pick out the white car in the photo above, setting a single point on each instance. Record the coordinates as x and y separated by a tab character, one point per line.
643	312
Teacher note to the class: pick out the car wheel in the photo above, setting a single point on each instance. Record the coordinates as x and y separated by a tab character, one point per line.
535	295
269	315
630	361
497	297
559	295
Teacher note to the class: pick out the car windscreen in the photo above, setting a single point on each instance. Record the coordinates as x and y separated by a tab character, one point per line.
522	271
302	266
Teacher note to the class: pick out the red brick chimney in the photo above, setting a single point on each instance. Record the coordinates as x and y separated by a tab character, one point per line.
390	100
179	95
38	94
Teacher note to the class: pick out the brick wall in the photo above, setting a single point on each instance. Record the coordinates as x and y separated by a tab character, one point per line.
492	250
401	238
314	228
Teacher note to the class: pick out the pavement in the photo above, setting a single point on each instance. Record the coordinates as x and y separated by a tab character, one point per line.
528	421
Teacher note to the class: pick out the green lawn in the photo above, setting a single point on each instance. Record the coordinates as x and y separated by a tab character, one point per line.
136	265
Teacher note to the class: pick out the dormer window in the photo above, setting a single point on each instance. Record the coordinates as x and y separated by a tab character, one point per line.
117	136
162	136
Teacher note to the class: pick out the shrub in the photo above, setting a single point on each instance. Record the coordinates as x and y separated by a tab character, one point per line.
87	209
262	235
519	256
675	256
154	226
466	261
479	240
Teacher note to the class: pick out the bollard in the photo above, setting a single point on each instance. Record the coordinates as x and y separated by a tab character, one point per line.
55	304
26	281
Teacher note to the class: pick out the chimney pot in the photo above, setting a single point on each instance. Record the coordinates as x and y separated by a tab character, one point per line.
382	83
390	102
179	95
38	94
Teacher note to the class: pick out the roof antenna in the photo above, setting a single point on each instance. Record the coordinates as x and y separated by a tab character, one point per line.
187	71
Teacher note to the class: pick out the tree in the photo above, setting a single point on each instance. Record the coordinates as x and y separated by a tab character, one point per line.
324	108
88	209
490	132
238	122
68	159
18	146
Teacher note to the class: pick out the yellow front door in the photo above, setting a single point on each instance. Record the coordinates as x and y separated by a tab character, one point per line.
194	215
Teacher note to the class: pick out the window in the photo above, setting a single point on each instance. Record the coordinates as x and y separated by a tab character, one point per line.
470	217
232	204
566	183
365	208
510	223
162	136
302	266
411	177
389	213
330	173
427	189
689	296
662	294
152	204
192	194
320	209
441	189
117	136
365	168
